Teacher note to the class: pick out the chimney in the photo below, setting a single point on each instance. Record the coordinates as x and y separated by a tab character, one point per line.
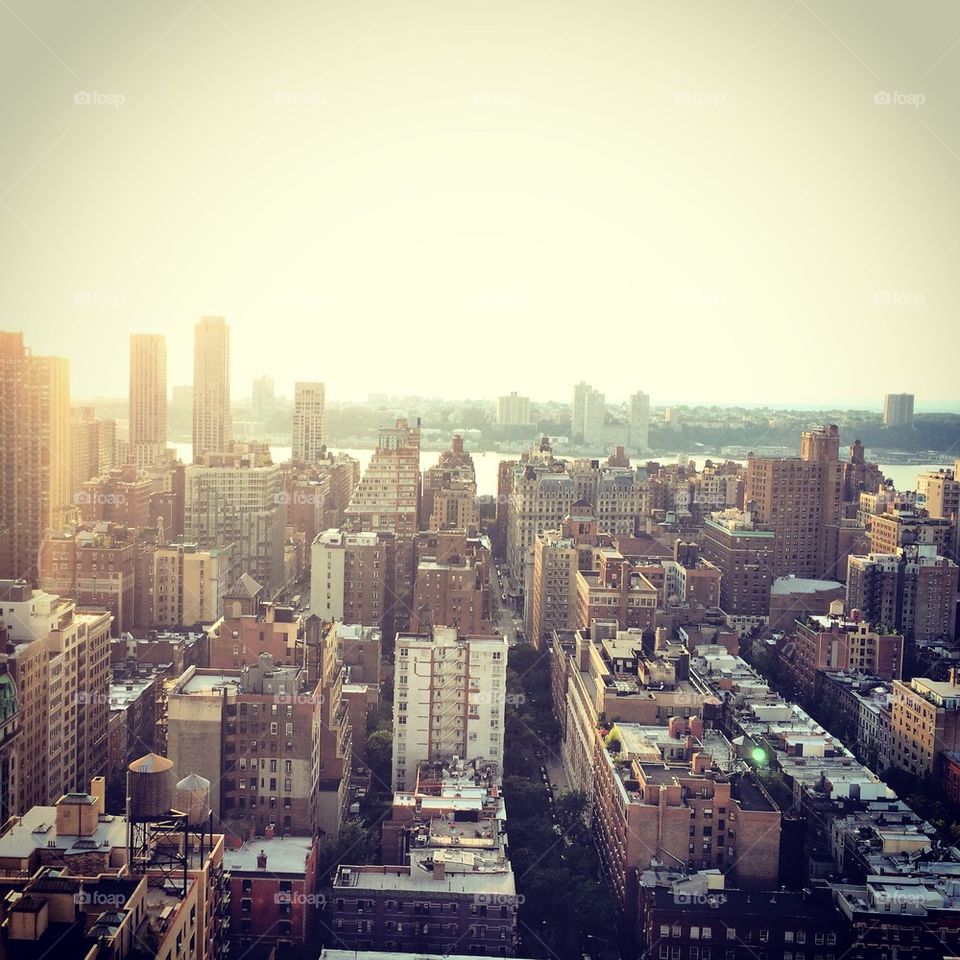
953	676
269	832
98	790
261	861
439	869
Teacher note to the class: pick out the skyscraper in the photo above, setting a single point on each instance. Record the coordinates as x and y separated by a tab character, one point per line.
449	701
898	409
148	398
587	415
309	410
797	498
34	453
212	425
639	423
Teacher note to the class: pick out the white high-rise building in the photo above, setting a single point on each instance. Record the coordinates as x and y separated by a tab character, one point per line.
212	423
309	411
449	701
587	415
513	411
639	438
148	399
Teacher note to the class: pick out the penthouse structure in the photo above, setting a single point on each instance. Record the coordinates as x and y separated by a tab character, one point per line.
449	701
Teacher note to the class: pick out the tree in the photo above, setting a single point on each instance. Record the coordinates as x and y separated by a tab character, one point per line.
379	753
356	844
571	810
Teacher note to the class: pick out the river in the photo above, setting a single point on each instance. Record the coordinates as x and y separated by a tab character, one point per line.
486	463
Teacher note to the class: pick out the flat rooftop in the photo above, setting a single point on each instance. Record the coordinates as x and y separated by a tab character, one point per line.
37	829
284	855
418	880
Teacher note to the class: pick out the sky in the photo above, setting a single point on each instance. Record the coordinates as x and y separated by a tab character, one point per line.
755	201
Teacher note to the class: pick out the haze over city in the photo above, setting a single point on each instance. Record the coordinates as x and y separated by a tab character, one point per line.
730	193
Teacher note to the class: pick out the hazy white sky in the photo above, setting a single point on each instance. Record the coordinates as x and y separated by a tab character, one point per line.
754	200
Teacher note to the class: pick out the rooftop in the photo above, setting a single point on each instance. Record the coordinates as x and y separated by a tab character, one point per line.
284	855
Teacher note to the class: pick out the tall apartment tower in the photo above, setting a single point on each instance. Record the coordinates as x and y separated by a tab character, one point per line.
639	423
898	409
387	500
587	415
148	399
449	701
309	411
212	425
513	410
34	453
797	498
